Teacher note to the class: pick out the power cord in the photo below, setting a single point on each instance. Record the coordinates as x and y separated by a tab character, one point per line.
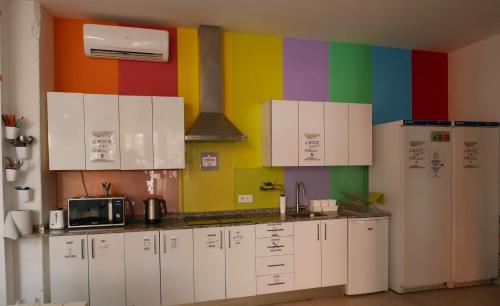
83	183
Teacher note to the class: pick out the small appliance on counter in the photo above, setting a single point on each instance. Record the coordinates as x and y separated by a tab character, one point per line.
58	219
154	210
98	211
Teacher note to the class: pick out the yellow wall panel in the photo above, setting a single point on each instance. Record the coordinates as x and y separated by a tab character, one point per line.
188	74
257	76
208	190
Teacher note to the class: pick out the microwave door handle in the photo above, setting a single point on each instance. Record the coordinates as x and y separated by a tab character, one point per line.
110	211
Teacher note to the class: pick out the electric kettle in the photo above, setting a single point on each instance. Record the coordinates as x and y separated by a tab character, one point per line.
154	210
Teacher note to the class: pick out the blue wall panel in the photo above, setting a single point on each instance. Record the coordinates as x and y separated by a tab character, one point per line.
391	84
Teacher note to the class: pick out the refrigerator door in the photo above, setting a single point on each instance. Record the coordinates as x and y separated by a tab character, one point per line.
475	204
426	206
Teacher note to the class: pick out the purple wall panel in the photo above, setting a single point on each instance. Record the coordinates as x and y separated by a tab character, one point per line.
306	77
316	181
305	70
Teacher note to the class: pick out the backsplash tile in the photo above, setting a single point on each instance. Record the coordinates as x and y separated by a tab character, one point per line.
137	185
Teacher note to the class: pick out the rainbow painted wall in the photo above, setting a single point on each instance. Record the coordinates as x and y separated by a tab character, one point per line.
400	83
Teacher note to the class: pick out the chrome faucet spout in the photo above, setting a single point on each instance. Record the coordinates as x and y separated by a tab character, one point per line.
299	189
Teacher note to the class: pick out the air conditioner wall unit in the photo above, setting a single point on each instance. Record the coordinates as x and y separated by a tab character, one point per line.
125	43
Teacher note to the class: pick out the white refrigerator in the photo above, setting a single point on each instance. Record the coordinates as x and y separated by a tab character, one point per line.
475	199
414	163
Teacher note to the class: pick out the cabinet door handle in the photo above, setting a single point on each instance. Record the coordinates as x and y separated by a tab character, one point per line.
221	240
276	230
325	231
154	244
83	248
275	265
317	228
93	248
164	244
229	238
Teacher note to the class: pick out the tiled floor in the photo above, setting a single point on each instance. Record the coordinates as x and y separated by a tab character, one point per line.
474	296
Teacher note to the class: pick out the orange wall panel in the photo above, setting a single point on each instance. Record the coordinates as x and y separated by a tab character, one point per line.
75	72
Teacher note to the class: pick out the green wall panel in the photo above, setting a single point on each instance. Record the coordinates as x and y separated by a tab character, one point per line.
350	81
350	72
348	178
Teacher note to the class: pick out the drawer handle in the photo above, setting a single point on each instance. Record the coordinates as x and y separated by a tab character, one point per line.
276	265
276	284
276	230
275	246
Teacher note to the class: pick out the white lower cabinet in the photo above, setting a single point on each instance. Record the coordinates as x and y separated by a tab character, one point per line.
142	268
106	270
333	252
307	252
172	267
240	261
69	268
275	283
177	283
209	264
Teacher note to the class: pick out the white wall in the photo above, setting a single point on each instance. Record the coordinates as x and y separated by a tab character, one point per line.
474	81
28	74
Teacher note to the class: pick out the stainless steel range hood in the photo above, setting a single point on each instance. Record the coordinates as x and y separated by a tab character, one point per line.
211	124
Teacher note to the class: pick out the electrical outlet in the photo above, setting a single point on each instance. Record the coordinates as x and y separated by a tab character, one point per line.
245	198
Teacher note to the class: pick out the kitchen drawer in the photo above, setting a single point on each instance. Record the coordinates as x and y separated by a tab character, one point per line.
274	230
274	246
274	264
275	283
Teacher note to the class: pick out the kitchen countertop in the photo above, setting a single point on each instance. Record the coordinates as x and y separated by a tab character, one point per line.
211	219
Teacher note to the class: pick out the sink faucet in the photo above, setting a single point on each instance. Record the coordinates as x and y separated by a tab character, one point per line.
299	188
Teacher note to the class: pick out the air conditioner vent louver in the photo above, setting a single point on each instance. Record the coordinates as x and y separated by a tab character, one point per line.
126	55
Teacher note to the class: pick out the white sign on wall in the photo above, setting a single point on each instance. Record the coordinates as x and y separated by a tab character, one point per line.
312	146
102	146
471	154
436	163
416	154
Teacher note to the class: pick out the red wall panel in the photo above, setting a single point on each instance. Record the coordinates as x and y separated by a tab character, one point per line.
429	85
150	78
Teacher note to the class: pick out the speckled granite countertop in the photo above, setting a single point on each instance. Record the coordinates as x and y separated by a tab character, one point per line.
212	219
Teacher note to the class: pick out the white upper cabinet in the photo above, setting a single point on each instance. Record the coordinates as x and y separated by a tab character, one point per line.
280	129
240	261
177	283
311	134
307	133
66	131
336	133
168	132
360	134
102	132
307	253
136	132
142	268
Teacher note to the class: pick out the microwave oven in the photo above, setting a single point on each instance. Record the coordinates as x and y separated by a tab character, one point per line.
94	212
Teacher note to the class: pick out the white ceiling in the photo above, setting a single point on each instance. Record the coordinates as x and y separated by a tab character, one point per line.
440	25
